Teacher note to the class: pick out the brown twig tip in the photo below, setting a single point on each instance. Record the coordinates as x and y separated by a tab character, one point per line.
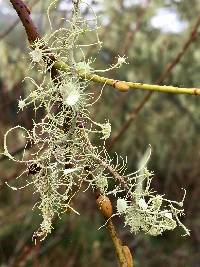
24	15
105	206
123	253
128	256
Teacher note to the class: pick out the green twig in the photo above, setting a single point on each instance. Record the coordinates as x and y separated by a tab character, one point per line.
117	244
124	86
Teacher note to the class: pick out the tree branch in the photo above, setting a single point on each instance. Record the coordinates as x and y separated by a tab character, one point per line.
24	15
123	253
32	34
12	26
125	86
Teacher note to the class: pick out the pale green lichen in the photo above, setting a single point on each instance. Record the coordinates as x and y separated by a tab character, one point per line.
64	158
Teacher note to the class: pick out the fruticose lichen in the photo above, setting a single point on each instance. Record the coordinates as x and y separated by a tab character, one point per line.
63	157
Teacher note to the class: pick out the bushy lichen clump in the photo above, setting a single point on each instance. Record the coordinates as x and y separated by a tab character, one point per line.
64	157
150	212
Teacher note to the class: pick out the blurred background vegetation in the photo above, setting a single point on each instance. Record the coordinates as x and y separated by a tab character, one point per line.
150	33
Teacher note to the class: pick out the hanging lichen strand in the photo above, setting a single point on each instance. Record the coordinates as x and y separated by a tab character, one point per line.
64	157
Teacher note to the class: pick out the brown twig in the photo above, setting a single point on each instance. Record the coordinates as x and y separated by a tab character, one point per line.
24	15
15	23
135	111
191	38
123	253
117	243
